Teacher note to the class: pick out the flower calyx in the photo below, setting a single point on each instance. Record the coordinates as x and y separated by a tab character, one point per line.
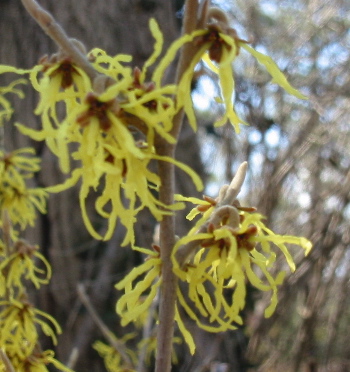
98	109
61	66
217	26
23	248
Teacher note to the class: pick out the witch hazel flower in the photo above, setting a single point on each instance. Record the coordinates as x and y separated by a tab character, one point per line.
228	247
20	201
218	46
112	122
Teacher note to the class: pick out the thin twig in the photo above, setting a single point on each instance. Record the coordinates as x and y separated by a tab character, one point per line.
6	232
73	358
59	36
118	346
6	362
188	51
169	283
148	329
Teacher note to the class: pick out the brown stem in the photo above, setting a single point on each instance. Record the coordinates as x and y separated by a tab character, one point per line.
187	53
166	195
6	362
6	232
59	36
169	281
147	333
118	345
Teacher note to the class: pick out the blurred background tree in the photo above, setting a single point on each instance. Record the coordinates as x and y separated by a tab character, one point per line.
299	178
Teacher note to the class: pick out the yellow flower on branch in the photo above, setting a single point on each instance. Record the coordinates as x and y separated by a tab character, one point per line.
112	123
109	155
23	264
6	109
235	247
140	290
38	361
65	83
18	320
22	204
218	46
20	201
221	51
149	344
17	161
113	360
138	297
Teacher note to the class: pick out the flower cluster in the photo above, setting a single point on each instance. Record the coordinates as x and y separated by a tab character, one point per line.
236	248
227	247
20	202
21	262
114	120
5	106
112	358
113	123
138	299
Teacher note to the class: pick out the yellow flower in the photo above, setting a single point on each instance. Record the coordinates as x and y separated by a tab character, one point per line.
109	155
112	124
18	161
229	253
218	46
20	202
113	361
147	104
138	297
18	320
38	361
136	300
62	82
5	106
149	344
23	264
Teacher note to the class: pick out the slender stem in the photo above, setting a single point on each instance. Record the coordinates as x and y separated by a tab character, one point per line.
59	36
6	362
186	55
169	280
167	227
147	333
118	345
6	232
